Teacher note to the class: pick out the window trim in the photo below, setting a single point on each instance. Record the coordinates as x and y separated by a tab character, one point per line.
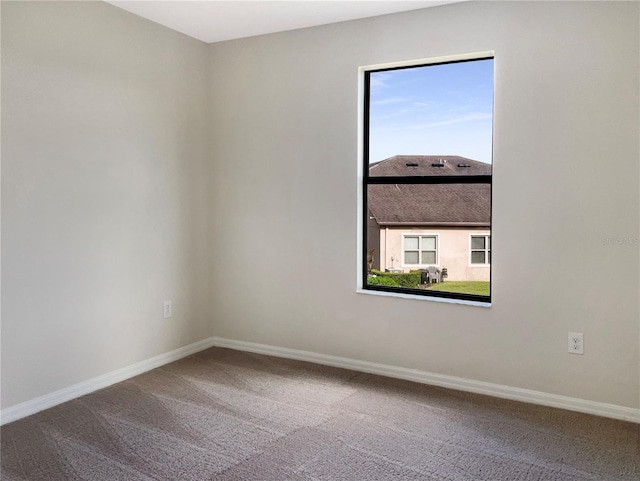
363	180
485	250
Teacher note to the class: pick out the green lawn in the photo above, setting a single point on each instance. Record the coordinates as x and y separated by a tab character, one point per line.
480	288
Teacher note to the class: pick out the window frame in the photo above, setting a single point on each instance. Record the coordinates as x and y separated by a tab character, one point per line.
365	180
420	235
486	250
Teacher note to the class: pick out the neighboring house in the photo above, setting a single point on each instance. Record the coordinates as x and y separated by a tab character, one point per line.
419	225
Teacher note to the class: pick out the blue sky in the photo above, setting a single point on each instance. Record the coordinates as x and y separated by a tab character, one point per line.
434	110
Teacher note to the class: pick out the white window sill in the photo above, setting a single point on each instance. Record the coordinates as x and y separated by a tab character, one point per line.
423	298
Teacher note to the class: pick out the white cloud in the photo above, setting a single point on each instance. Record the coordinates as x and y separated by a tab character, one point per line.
390	100
471	117
378	80
426	103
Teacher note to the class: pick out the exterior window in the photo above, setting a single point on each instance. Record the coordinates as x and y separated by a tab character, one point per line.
420	250
426	178
481	249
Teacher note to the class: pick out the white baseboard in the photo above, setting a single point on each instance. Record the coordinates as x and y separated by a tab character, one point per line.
497	390
47	401
41	403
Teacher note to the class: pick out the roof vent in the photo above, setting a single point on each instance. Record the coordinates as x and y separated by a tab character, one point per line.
464	165
437	164
412	164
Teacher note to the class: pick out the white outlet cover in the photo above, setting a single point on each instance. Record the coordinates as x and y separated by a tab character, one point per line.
576	343
167	309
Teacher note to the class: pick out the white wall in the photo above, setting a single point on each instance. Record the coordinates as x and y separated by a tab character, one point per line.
103	193
566	178
109	183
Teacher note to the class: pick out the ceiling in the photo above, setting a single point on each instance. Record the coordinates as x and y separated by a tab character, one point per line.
218	20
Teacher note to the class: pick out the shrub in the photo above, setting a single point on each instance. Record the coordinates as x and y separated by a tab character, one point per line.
381	280
410	280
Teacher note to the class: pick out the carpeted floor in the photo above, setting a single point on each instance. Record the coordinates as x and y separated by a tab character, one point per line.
229	415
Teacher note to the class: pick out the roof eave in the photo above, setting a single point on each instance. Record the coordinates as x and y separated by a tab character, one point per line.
434	224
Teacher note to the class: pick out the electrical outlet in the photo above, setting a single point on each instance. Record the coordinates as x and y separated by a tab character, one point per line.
576	343
167	309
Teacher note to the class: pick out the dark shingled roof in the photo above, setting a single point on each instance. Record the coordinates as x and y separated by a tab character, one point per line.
397	166
430	204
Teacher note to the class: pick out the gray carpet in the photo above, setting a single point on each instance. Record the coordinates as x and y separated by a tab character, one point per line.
228	415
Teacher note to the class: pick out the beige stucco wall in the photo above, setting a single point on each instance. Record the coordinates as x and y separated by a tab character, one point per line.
453	251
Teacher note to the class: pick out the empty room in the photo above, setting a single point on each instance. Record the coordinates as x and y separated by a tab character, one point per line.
337	240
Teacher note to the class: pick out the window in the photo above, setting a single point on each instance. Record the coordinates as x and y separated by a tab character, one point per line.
420	250
426	178
481	249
